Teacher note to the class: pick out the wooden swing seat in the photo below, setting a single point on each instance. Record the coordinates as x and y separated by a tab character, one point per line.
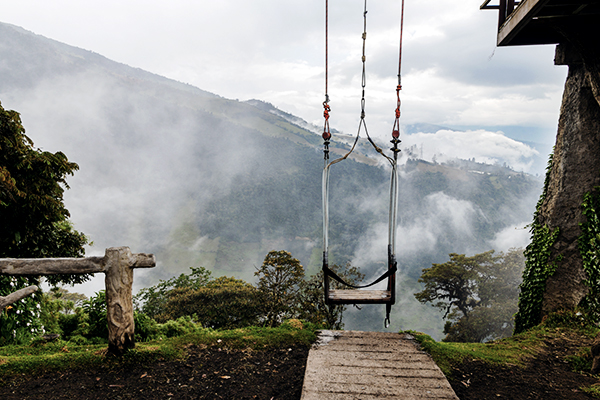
359	296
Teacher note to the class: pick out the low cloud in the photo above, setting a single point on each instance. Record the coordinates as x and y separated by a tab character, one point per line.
441	216
486	147
513	236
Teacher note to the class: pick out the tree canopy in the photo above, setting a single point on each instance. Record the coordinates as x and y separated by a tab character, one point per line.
477	294
32	182
279	279
34	219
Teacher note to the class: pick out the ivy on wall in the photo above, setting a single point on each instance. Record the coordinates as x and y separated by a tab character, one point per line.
538	267
589	248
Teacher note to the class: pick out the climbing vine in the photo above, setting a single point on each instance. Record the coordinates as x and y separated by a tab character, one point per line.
538	267
589	248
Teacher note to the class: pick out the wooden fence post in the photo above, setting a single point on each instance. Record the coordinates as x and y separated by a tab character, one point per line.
119	302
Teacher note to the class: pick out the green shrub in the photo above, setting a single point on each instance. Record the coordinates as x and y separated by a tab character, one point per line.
152	301
20	321
223	303
78	340
74	324
179	327
145	327
95	308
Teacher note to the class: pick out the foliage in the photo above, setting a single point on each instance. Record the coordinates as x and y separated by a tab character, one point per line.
152	301
34	220
75	324
312	305
478	294
221	303
21	320
69	300
95	308
280	276
572	320
33	215
514	350
589	248
538	266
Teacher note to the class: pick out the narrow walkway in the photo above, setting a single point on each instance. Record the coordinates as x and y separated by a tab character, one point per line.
371	365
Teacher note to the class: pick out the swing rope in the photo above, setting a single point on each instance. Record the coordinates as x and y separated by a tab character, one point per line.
392	265
326	108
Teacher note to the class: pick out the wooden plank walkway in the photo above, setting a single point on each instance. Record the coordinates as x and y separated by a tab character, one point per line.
371	365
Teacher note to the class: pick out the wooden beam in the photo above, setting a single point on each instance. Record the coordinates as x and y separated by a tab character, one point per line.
518	19
119	303
52	266
16	296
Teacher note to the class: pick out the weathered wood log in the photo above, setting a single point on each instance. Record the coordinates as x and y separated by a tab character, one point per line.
51	266
16	296
50	337
117	265
118	280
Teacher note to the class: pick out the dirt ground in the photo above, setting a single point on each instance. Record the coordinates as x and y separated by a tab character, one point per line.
213	373
209	373
548	376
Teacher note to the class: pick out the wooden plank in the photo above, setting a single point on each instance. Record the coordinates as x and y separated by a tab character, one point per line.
517	20
332	373
357	296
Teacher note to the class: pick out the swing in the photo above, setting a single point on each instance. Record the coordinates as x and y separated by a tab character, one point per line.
356	293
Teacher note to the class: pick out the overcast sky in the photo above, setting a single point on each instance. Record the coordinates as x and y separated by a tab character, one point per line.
273	50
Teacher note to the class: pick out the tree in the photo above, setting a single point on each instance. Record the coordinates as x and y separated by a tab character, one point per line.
222	303
34	219
478	294
312	305
280	276
152	301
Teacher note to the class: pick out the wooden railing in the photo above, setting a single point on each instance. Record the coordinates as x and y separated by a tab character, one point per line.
117	265
506	7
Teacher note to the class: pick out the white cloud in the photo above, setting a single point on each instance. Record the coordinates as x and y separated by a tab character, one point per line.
484	146
514	236
452	72
441	215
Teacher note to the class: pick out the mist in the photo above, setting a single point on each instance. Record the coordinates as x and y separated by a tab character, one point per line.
201	180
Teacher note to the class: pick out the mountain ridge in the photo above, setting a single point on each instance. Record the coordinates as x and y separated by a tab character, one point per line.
201	180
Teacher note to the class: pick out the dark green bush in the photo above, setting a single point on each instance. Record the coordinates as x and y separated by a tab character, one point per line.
145	327
222	303
95	308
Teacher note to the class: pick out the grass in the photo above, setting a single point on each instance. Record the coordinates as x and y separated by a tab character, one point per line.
593	390
60	355
512	351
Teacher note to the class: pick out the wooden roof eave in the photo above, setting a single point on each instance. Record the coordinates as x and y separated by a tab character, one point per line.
518	19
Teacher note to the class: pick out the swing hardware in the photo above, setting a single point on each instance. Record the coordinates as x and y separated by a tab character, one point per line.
356	294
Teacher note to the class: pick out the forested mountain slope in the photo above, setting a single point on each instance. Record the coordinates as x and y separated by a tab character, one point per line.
201	180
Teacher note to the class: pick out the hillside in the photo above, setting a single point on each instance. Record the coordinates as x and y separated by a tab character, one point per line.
201	180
